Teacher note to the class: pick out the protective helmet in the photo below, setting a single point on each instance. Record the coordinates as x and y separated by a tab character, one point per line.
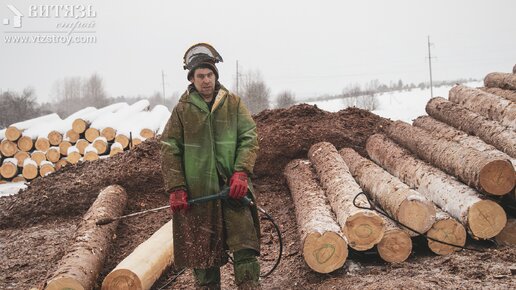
201	55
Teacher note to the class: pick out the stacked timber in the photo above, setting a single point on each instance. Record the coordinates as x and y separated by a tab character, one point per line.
323	245
50	139
505	81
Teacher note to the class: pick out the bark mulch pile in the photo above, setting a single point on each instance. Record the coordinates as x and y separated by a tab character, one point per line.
36	225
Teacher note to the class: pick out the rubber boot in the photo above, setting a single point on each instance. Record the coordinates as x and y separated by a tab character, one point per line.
247	269
207	279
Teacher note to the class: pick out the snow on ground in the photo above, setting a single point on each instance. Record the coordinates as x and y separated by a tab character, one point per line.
399	105
11	188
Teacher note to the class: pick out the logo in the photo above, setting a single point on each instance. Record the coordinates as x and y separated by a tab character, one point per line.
17	18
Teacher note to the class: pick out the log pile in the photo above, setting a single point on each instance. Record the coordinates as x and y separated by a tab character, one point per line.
87	135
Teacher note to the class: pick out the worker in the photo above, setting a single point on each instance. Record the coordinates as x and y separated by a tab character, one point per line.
210	141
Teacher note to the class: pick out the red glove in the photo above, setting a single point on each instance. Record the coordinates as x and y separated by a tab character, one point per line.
238	185
178	200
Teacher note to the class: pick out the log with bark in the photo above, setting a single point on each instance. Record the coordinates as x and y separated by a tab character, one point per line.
145	264
443	130
485	104
501	137
79	268
396	244
514	69
446	229
483	218
507	94
506	81
362	228
399	201
490	175
323	246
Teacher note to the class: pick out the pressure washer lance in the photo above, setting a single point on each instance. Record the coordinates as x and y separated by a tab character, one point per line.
224	194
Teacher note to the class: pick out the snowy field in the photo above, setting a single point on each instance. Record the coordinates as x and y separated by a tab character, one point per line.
399	105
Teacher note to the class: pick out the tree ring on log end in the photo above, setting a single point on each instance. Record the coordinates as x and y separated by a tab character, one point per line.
325	253
395	247
497	177
364	230
64	283
122	279
416	214
486	219
447	230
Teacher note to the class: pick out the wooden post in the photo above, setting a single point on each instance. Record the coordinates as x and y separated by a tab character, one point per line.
501	137
399	201
324	248
145	264
362	228
490	175
79	268
454	197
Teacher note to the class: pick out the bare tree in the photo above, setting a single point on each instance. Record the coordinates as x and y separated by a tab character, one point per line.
93	93
285	99
255	92
17	107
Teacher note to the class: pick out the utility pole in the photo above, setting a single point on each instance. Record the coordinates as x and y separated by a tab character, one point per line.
430	67
237	77
163	84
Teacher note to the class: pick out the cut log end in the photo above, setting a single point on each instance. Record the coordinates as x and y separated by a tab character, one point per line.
19	178
30	171
38	157
42	144
123	140
79	126
72	136
20	157
486	219
108	133
497	177
91	134
395	246
46	169
25	143
147	133
81	145
91	156
417	214
53	154
63	147
62	283
325	253
364	230
73	157
8	148
12	133
446	230
8	170
122	279
54	138
61	163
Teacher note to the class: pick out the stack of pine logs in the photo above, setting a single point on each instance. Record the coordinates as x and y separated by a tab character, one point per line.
40	146
446	176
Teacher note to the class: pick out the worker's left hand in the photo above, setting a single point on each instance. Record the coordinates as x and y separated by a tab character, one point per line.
238	185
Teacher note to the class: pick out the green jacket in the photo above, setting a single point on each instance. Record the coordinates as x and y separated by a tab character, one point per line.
198	146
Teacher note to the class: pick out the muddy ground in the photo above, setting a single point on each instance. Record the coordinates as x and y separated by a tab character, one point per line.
37	225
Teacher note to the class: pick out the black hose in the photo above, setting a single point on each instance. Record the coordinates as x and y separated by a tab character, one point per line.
280	240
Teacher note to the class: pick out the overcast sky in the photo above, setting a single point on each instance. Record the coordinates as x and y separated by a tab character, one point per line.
309	47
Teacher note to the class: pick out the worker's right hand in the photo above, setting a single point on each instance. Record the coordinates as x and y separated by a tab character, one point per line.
178	200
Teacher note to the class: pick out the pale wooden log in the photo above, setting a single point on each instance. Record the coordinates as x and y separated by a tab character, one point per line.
81	145
79	268
25	143
484	219
73	156
9	168
109	133
443	130
507	94
8	148
63	147
53	154
91	153
12	133
396	245
446	229
485	104
38	157
490	175
147	133
507	236
136	141
324	247
30	169
362	228
19	178
42	144
101	145
91	134
79	125
506	81
123	140
21	156
54	138
46	168
72	136
501	137
145	264
115	149
61	163
403	204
